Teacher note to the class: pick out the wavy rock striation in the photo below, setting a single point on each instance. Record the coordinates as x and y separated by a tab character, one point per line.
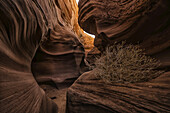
60	57
137	21
69	11
26	26
90	95
22	25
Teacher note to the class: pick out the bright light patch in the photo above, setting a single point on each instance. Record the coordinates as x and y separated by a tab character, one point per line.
93	36
77	1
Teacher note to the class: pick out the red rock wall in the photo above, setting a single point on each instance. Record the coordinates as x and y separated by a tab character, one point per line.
35	29
91	95
23	23
143	22
69	11
60	57
137	21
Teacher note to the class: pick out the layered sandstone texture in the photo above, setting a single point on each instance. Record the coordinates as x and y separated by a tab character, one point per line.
85	39
38	43
91	95
137	21
23	23
59	60
69	11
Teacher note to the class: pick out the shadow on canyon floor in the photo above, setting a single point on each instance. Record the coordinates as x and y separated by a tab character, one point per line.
57	95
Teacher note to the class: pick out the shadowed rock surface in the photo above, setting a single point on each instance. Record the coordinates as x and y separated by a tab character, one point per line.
58	96
92	55
40	39
139	22
24	25
60	57
90	95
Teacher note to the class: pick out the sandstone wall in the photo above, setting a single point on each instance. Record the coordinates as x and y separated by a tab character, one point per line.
22	25
69	11
137	21
37	43
143	22
91	95
60	57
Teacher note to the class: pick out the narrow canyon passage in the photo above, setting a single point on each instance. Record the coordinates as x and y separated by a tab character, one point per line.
59	60
48	58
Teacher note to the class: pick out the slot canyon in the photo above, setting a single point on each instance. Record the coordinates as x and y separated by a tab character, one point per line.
46	55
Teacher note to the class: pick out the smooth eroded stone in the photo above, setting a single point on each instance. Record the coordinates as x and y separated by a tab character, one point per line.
143	22
23	23
90	95
59	60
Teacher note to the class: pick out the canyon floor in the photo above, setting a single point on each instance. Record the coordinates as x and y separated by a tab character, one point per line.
58	96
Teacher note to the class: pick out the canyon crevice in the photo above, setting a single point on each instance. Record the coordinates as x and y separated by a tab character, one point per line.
145	23
40	43
43	53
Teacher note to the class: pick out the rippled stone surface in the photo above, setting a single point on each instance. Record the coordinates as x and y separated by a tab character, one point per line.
90	95
137	21
36	44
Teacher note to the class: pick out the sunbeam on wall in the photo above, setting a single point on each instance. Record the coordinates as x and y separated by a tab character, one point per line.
84	31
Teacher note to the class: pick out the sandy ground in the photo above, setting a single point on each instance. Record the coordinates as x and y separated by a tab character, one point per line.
58	96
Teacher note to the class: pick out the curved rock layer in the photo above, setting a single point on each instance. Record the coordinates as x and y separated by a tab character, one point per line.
85	39
90	95
60	57
23	23
137	21
69	11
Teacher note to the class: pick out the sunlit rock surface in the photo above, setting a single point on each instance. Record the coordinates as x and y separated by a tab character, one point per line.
86	40
69	11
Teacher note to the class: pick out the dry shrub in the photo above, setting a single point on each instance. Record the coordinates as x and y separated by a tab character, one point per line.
126	64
